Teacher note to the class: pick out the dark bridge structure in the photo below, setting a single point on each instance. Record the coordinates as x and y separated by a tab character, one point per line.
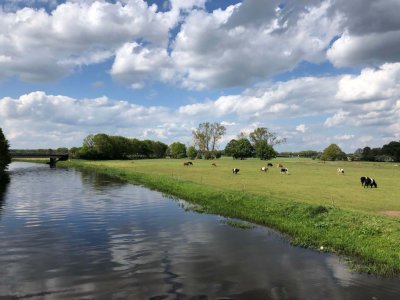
53	157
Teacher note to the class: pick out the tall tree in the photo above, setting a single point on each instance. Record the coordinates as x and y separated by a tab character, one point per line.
333	152
206	137
177	150
263	134
5	157
264	141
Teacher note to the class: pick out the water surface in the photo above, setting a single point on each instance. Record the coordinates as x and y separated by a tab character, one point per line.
66	234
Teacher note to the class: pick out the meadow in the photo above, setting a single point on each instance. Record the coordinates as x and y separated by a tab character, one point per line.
313	205
309	181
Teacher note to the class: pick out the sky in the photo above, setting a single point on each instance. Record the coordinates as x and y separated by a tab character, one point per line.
314	72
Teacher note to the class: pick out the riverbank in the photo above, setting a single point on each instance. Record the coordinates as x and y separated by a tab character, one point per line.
369	242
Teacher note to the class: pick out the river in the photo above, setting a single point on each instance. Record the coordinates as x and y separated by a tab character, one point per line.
68	234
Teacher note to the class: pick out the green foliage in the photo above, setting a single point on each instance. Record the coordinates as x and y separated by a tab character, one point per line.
239	149
177	150
103	146
333	152
191	152
392	149
264	151
5	158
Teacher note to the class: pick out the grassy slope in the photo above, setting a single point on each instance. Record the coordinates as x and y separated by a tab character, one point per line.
313	204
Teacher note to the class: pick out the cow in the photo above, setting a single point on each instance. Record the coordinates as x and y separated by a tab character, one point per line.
214	164
340	171
235	170
279	166
264	169
284	171
368	182
188	163
270	165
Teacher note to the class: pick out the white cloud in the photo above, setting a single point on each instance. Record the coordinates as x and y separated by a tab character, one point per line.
135	65
301	128
212	50
371	84
42	46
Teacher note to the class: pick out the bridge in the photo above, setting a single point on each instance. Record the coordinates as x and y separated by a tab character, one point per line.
53	157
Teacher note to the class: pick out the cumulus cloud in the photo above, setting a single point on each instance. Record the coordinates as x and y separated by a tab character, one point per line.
231	48
371	84
40	46
370	32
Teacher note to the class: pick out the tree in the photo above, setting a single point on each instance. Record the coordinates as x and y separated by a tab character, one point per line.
392	149
263	134
206	137
5	158
264	141
265	151
239	149
333	152
177	150
230	148
192	152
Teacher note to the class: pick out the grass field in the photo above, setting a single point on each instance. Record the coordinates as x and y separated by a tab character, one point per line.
313	206
308	180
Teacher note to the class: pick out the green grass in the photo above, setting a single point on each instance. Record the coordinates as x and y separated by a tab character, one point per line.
313	205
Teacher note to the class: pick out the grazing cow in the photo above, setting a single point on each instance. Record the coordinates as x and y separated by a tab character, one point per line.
270	165
340	171
279	166
188	163
235	170
264	169
214	164
284	171
368	182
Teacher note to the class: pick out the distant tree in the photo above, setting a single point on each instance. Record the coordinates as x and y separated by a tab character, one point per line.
74	152
159	149
177	150
239	149
5	158
206	137
62	150
265	151
230	148
264	141
191	152
333	152
392	149
308	153
263	134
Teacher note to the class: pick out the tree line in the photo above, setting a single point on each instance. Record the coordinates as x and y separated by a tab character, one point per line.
388	152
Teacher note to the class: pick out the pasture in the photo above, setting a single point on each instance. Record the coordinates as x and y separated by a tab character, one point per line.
309	181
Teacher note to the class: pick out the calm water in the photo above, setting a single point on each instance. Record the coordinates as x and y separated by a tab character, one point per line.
66	234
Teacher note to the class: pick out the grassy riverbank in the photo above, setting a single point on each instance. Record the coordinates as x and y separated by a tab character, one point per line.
313	205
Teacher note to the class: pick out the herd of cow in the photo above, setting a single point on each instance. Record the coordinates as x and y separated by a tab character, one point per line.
365	181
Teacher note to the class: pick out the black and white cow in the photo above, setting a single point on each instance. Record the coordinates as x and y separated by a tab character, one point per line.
270	165
340	171
368	182
284	171
235	170
264	169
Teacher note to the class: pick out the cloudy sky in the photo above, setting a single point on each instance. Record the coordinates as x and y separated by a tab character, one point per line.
315	72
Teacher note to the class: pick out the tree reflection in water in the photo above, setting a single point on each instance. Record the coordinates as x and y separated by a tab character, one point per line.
4	180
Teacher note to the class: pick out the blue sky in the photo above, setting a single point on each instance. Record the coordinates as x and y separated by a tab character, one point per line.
315	72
